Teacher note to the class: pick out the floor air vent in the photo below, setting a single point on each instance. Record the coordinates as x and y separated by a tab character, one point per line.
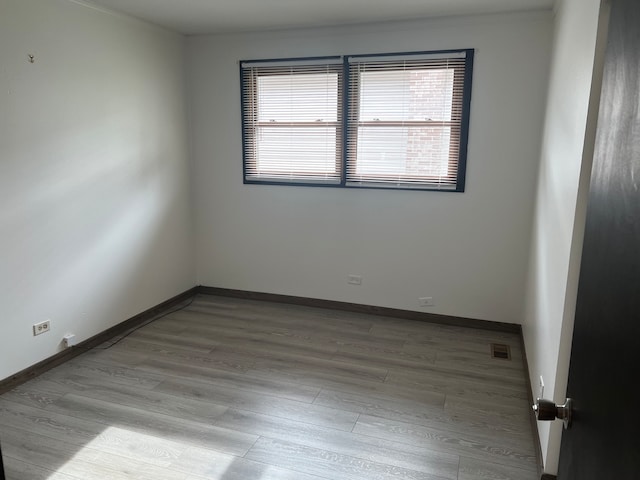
499	350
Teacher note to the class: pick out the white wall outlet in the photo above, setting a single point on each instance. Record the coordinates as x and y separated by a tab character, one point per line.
541	387
69	340
42	327
354	279
426	301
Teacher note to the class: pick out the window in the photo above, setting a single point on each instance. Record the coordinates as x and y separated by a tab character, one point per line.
292	121
385	121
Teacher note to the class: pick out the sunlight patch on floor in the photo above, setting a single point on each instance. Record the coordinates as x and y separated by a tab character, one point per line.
118	453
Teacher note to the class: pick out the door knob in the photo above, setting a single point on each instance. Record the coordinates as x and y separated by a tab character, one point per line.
547	410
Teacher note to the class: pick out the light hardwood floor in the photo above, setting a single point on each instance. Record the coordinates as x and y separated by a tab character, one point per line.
230	389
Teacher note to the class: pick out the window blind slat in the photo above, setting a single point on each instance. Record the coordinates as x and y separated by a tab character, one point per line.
426	56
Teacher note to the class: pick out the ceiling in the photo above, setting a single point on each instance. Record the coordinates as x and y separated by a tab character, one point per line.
220	16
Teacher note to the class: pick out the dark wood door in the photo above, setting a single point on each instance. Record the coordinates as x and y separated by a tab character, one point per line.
1	466
604	441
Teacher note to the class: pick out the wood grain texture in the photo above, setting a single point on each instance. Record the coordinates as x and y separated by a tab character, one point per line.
497	448
202	463
327	463
364	447
17	469
265	404
239	389
472	469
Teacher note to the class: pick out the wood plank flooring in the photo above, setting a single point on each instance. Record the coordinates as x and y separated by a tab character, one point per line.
230	389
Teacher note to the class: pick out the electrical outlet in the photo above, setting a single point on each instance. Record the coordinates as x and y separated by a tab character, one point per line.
354	279
426	301
42	327
541	389
69	340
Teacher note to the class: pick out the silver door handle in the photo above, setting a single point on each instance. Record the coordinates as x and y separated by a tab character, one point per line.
547	410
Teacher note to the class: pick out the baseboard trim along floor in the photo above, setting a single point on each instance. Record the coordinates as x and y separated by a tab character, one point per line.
368	309
69	353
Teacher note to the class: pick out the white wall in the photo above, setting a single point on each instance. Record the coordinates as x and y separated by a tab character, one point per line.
95	220
565	168
469	251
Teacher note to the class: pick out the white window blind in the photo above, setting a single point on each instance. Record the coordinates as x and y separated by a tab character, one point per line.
405	121
292	121
375	121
